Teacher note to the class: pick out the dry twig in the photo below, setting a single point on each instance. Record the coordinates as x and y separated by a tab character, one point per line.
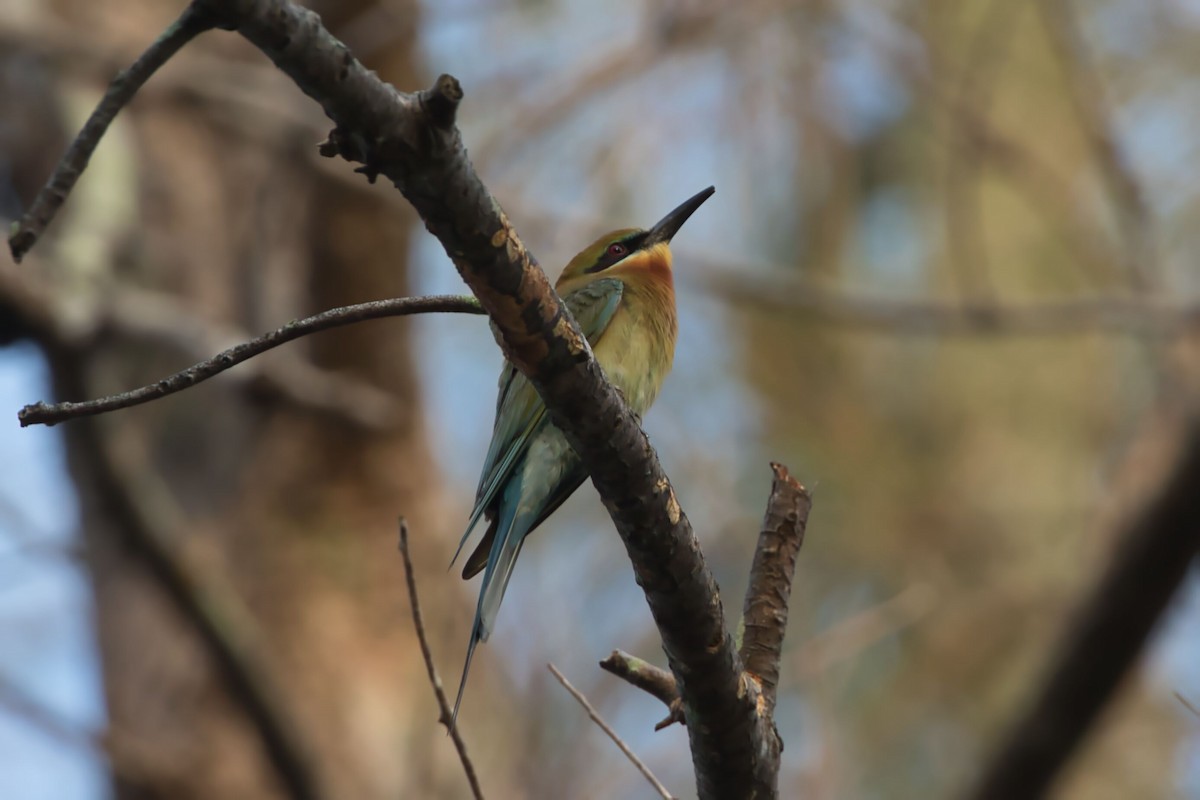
191	23
41	309
445	715
604	726
53	413
653	680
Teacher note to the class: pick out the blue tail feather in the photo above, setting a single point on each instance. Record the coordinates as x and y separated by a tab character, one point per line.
462	684
510	534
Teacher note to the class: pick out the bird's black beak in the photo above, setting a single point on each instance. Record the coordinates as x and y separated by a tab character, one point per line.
669	225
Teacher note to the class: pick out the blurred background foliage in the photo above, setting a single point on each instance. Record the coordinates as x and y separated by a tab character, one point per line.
947	278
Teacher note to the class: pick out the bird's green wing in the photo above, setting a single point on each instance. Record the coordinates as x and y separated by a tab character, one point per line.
519	409
594	305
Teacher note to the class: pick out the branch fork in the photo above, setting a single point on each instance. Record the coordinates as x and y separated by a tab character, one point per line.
764	615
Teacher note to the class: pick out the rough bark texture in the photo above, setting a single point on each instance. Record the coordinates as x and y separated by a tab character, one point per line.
765	612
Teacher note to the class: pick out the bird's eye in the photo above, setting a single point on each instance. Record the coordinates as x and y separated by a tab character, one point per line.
617	249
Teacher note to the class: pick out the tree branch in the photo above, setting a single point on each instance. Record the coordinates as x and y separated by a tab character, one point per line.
445	715
49	200
1151	559
651	679
42	413
765	611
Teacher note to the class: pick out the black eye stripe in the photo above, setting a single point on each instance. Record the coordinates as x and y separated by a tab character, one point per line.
635	242
631	243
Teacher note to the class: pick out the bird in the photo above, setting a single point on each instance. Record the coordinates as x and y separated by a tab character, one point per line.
621	292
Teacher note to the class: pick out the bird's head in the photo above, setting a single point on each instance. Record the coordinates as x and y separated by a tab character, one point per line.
630	252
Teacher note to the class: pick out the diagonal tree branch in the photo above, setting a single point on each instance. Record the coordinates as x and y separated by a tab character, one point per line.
49	200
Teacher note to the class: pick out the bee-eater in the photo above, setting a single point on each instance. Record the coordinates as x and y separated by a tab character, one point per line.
621	293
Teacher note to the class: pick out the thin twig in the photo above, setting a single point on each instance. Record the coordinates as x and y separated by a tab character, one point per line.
650	679
25	233
161	319
604	726
445	716
52	413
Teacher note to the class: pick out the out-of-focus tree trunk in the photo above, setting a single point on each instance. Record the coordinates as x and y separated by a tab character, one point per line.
296	509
